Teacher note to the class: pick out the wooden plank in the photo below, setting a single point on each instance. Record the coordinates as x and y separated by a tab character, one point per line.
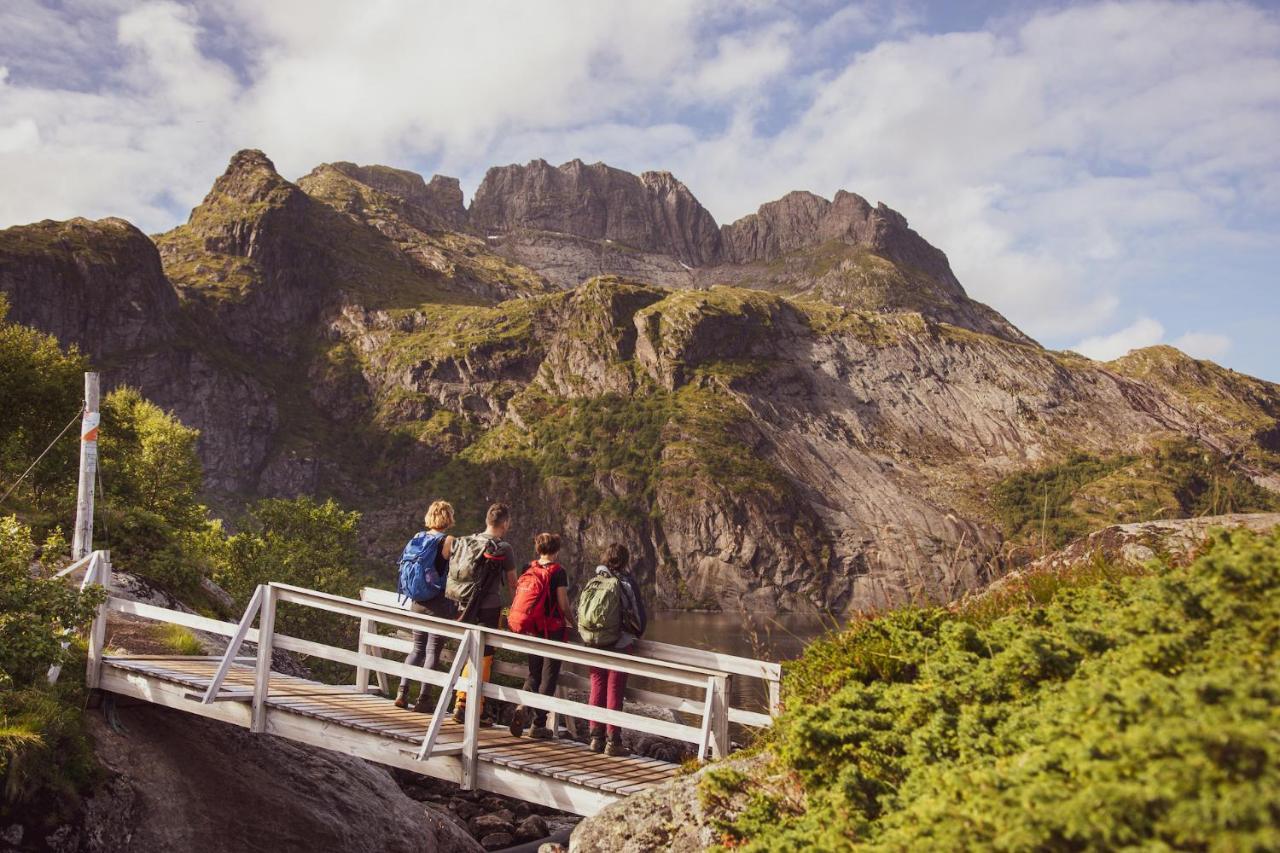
262	673
100	570
442	704
529	699
177	617
376	664
704	742
475	701
233	647
731	664
718	688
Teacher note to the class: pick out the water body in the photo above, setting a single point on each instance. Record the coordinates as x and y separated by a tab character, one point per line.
778	637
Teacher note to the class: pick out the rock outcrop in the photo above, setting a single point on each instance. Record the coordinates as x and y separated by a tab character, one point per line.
180	782
652	212
98	284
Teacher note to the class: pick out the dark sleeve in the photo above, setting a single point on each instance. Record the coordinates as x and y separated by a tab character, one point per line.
559	579
508	558
642	617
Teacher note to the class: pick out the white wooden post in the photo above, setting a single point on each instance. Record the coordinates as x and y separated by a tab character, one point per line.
442	704
708	713
233	647
82	542
475	699
362	673
775	698
100	571
719	687
262	676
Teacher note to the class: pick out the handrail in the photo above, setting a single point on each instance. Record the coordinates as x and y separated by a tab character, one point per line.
769	672
713	707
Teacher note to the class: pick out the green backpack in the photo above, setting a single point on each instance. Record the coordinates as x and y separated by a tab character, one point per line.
600	612
469	567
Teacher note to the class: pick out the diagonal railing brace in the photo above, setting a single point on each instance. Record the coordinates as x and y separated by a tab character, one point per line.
233	647
459	658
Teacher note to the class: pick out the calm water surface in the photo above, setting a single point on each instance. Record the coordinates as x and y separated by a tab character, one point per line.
779	638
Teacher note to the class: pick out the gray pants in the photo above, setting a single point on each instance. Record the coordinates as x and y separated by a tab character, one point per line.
426	645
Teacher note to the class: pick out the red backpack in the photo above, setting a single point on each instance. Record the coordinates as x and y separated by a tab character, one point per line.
532	611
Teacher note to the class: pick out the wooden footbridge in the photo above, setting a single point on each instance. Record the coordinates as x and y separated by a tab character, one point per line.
359	720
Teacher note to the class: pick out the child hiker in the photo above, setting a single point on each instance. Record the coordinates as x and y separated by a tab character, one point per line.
539	608
610	616
424	565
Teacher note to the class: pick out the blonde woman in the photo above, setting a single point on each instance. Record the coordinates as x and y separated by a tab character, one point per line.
424	567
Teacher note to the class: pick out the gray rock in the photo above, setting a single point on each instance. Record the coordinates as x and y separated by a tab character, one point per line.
496	841
486	824
531	829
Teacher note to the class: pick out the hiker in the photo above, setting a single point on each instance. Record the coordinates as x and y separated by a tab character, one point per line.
539	608
478	568
610	616
424	565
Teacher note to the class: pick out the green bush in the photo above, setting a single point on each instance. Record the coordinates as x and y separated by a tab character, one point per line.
1129	710
301	542
42	745
36	613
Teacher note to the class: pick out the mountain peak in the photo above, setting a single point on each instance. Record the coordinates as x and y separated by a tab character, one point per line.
441	198
250	177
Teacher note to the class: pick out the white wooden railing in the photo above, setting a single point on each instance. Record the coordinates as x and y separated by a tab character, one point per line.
732	666
706	674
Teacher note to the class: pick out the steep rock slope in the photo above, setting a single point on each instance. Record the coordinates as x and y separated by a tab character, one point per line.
761	447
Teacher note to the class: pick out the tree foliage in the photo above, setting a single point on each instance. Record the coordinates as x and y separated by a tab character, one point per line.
1131	710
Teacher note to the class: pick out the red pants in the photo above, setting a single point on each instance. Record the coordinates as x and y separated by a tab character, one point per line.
607	687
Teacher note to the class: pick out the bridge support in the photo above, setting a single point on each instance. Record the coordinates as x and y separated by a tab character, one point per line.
262	675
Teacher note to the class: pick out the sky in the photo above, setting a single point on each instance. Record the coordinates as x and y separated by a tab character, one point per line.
1107	175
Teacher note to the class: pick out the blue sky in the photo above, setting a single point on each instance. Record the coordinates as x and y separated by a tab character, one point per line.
1105	174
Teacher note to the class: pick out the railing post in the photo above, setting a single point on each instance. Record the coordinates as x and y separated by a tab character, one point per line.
775	698
720	715
442	704
475	699
262	675
100	570
362	673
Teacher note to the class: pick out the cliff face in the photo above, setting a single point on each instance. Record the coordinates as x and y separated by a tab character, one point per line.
652	212
822	436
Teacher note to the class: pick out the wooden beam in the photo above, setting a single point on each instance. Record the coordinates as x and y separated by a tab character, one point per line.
585	711
376	664
177	617
704	741
262	673
731	664
475	701
100	568
233	647
718	688
82	538
442	704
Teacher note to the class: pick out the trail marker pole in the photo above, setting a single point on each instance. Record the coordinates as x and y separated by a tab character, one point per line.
82	544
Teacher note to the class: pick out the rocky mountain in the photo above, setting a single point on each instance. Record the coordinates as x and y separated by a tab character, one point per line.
799	411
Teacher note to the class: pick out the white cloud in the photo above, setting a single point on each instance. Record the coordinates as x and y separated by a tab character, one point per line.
1143	332
1203	345
1146	332
1054	156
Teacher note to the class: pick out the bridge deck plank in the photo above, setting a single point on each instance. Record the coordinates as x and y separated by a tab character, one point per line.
563	760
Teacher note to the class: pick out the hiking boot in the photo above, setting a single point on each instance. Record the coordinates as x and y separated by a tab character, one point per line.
460	713
616	748
540	733
486	719
518	722
423	705
402	699
597	743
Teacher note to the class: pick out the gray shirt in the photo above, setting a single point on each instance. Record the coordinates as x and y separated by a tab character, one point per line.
493	598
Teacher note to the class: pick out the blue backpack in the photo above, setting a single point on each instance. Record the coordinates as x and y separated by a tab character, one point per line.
419	580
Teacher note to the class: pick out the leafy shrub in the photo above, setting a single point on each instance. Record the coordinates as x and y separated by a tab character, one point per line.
36	613
42	744
1128	710
301	542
